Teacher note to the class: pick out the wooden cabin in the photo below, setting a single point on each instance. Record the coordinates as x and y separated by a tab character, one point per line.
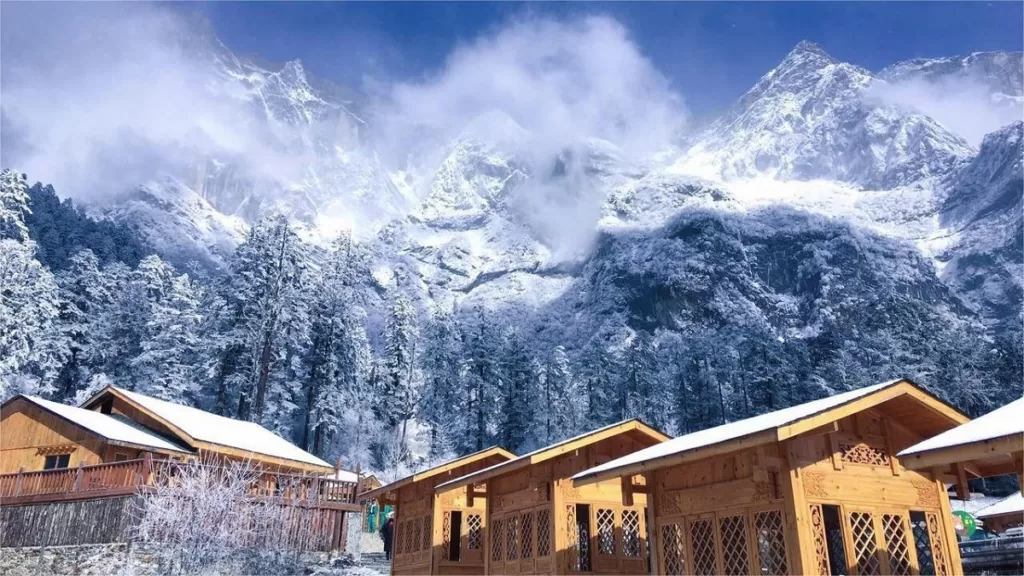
434	534
116	425
990	445
37	434
539	523
810	489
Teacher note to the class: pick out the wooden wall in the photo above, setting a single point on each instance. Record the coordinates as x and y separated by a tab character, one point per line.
852	465
98	521
28	430
419	524
542	498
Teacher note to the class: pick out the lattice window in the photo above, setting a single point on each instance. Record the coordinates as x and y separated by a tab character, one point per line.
512	537
408	544
896	544
526	529
673	550
474	528
922	544
417	534
820	540
396	538
702	540
863	454
606	531
865	550
543	533
935	537
425	542
497	530
446	536
735	557
630	533
771	542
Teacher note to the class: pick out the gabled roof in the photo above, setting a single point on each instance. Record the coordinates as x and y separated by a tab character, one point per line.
107	427
209	431
771	427
993	435
494	451
555	450
1013	504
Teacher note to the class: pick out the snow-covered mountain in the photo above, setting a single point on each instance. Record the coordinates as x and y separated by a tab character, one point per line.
479	218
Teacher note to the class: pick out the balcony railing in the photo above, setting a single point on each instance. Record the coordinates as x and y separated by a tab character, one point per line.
119	478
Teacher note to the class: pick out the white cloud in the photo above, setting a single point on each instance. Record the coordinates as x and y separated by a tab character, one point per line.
544	91
964	105
562	81
100	97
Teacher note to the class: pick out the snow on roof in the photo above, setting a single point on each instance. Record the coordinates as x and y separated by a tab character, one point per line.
107	426
529	455
1005	421
239	434
734	430
1013	504
343	475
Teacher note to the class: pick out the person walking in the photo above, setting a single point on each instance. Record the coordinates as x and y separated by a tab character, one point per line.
387	532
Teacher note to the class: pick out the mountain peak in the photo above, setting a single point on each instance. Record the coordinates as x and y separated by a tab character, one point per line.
806	49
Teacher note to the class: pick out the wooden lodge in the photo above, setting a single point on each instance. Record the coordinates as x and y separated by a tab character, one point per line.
438	535
538	522
811	489
120	444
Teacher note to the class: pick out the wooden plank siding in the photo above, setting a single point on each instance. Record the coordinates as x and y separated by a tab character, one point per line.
29	431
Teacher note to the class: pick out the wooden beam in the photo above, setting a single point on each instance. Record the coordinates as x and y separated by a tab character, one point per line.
627	490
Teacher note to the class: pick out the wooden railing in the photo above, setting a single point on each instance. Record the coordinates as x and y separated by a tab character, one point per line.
141	475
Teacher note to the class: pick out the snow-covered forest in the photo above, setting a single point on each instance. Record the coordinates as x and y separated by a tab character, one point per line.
304	340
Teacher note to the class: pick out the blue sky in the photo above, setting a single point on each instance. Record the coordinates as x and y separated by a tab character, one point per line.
710	51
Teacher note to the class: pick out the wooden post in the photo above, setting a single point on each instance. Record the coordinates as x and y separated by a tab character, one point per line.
337	465
147	469
653	537
627	490
17	482
962	491
78	478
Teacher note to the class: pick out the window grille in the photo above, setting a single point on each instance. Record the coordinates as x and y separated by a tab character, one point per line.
865	550
474	527
512	540
896	544
630	533
606	531
526	531
497	530
543	533
735	556
771	542
702	539
673	550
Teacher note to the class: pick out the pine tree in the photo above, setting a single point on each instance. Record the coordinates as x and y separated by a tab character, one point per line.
13	206
560	399
442	403
83	294
480	378
259	309
166	366
32	347
398	375
517	393
336	360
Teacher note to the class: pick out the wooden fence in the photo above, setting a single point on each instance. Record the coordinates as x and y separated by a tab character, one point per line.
99	504
131	476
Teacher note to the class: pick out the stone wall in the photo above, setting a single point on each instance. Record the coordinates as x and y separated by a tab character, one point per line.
152	560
